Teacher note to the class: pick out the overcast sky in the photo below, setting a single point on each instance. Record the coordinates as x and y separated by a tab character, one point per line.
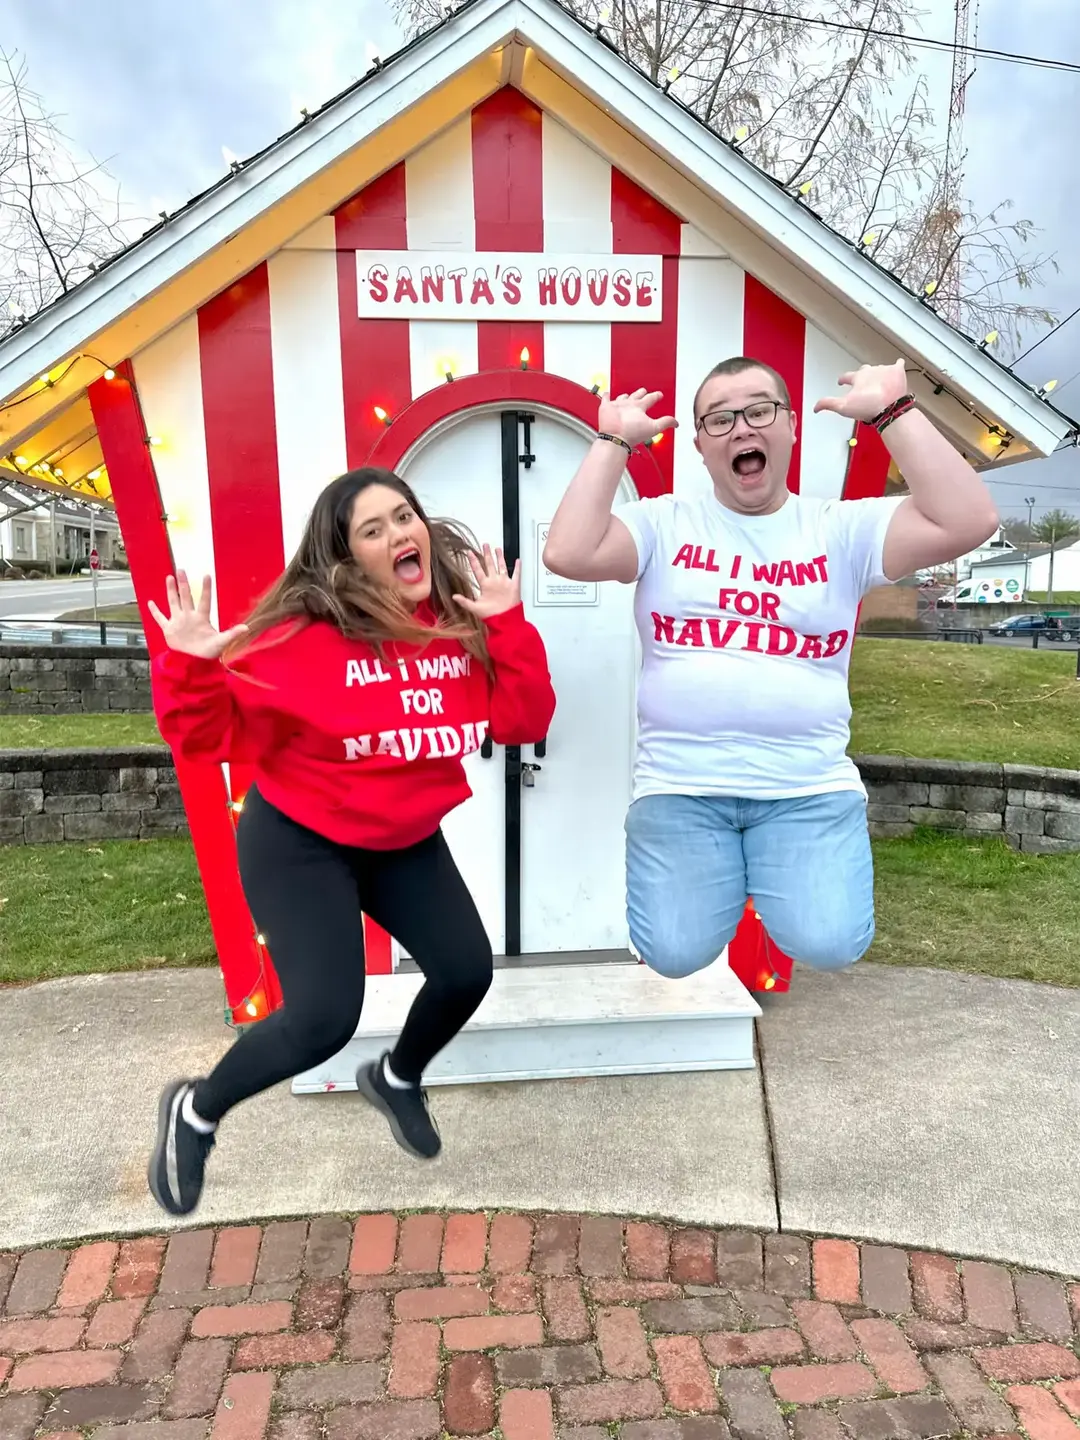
156	89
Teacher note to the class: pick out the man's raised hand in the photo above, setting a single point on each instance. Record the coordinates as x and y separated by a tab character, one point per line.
627	416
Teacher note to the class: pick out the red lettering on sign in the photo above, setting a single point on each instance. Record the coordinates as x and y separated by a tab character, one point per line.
598	284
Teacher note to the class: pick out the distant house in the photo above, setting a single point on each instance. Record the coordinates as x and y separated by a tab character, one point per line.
31	525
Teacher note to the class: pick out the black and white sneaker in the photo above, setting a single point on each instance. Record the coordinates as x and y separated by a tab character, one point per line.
179	1159
405	1110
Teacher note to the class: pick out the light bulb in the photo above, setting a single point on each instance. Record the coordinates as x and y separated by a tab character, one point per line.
153	439
991	339
852	443
381	415
94	475
806	187
770	983
260	939
524	356
1050	385
58	471
605	14
742	132
20	459
673	74
251	1008
46	467
230	159
599	383
869	238
110	374
931	286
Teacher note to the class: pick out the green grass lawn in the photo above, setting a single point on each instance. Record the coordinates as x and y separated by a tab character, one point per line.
128	611
950	903
965	702
910	697
86	909
977	906
60	732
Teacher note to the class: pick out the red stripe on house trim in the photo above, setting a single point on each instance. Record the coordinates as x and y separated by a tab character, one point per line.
775	333
868	465
122	433
375	364
643	353
508	205
236	363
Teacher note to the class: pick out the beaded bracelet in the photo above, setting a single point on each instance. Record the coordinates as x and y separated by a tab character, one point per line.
893	412
617	440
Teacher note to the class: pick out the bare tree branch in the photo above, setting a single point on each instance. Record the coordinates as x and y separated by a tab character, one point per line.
836	108
60	214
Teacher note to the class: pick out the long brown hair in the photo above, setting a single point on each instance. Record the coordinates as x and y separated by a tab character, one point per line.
324	582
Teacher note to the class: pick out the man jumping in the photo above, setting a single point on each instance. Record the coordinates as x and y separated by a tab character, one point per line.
746	604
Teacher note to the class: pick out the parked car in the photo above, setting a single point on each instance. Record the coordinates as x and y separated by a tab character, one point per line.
1053	627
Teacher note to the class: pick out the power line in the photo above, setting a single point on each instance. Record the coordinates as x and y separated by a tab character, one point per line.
1059	326
948	46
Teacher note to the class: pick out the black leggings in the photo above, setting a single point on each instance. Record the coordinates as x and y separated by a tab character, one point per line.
306	895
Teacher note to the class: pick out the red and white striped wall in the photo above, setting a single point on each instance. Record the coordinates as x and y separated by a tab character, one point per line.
270	390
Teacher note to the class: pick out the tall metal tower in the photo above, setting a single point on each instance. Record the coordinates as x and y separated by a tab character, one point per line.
965	35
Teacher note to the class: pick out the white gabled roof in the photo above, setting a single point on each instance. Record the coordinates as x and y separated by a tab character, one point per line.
567	47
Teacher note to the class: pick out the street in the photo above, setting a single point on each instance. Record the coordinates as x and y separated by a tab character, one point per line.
46	599
1023	642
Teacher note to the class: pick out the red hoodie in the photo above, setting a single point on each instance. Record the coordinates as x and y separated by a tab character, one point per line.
363	751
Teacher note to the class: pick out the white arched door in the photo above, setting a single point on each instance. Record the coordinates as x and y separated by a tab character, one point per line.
542	849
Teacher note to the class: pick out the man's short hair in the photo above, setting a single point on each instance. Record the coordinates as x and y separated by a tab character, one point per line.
736	366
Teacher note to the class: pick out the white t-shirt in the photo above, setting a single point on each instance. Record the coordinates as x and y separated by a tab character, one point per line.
746	625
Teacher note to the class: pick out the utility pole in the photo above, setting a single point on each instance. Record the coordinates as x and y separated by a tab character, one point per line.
1050	577
1029	501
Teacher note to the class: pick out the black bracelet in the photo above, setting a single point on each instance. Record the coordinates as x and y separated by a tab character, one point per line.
617	440
893	412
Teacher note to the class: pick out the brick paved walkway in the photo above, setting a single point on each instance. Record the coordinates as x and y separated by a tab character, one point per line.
527	1328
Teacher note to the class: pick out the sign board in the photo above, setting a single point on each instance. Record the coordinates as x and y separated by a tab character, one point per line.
95	560
552	589
452	285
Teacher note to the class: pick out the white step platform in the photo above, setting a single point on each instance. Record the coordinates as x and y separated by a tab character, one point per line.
551	1022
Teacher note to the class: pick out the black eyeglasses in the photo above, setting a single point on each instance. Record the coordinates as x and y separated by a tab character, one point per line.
759	415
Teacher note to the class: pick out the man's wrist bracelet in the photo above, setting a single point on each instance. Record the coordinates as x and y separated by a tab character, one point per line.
893	412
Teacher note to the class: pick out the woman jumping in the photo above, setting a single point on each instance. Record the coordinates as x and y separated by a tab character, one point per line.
357	685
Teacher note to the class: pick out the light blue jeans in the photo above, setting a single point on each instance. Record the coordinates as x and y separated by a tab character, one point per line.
692	860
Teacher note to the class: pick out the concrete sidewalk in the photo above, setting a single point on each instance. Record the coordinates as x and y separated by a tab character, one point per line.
914	1107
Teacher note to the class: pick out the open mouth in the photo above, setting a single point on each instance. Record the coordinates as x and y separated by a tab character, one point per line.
748	464
409	567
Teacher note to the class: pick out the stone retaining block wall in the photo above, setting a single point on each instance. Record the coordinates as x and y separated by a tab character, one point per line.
1036	809
132	794
51	795
72	679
